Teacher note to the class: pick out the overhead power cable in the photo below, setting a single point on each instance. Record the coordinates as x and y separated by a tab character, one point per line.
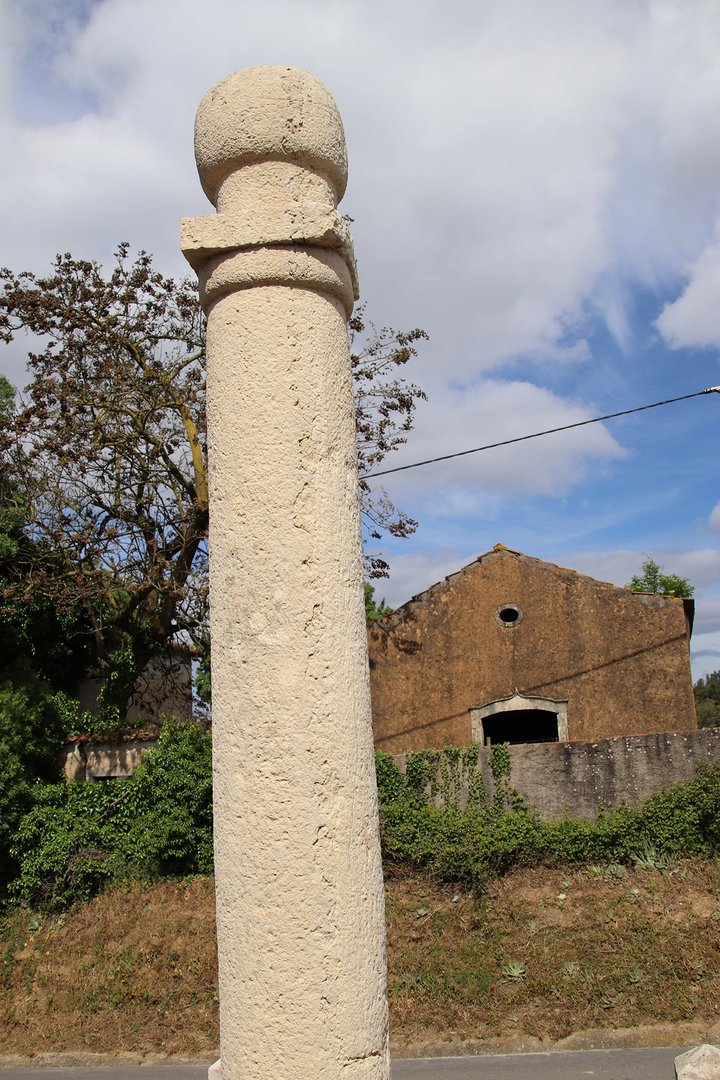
539	434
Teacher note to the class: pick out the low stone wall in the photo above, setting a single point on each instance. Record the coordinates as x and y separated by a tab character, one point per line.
557	780
578	780
88	759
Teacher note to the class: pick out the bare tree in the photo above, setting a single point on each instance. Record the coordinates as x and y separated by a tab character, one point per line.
108	447
384	413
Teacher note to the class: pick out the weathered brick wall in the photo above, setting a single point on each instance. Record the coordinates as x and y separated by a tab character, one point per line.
620	659
578	780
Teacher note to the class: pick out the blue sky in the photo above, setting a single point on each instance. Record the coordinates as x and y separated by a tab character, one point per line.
537	185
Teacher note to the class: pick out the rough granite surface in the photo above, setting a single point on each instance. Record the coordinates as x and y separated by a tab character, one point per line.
300	914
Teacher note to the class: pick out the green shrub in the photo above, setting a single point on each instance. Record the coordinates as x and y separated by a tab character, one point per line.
157	824
686	818
447	777
16	795
32	725
422	822
172	833
63	843
441	840
32	730
68	840
390	780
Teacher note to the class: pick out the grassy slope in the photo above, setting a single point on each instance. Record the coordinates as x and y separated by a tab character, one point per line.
545	953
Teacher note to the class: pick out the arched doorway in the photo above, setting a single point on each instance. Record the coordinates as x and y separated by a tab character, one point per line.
520	719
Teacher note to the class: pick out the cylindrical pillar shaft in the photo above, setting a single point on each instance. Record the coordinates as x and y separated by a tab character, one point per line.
298	877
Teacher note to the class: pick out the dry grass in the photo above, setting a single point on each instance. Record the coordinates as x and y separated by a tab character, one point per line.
545	953
134	970
550	952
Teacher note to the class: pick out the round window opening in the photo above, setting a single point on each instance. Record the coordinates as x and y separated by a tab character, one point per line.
508	615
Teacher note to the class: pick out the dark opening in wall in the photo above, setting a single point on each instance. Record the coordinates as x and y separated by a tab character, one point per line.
508	615
521	726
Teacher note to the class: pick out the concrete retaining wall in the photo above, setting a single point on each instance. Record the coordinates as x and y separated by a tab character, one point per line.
578	780
557	779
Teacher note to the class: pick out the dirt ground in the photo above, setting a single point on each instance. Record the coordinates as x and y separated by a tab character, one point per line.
604	956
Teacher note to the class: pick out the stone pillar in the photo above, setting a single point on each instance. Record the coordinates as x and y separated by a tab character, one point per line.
301	936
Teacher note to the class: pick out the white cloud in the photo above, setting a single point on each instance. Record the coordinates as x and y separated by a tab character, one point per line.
490	411
694	318
707	616
514	166
705	654
502	160
414	573
700	567
614	566
714	519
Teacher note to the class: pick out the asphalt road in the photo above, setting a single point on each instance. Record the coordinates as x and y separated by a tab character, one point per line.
644	1064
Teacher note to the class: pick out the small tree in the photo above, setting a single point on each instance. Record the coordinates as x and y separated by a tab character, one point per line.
12	517
653	579
39	640
373	609
108	452
707	700
384	413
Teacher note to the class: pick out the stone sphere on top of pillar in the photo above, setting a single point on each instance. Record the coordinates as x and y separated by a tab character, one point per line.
244	120
270	152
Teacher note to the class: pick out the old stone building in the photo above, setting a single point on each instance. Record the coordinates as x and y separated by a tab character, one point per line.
513	649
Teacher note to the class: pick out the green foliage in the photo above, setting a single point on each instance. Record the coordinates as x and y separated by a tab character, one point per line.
515	971
66	841
62	844
448	777
708	714
103	479
420	771
390	779
79	836
708	689
32	728
384	414
38	638
7	397
424	822
373	609
16	794
37	635
203	674
437	816
500	762
11	509
173	832
106	449
457	777
653	579
506	797
707	700
439	839
127	661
